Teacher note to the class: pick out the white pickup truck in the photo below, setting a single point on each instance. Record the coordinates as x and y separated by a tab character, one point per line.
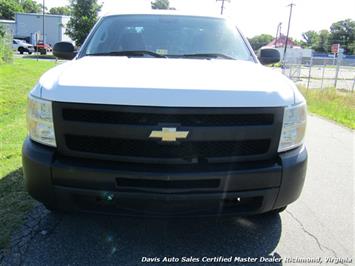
22	46
165	113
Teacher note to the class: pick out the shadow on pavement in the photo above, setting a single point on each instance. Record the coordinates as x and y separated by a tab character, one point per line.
87	239
14	203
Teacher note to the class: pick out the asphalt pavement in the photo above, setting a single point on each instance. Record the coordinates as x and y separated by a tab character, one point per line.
319	226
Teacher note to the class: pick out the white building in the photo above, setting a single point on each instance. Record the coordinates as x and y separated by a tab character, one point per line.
30	27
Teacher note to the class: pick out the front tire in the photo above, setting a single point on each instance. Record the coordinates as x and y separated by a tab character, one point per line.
21	50
279	210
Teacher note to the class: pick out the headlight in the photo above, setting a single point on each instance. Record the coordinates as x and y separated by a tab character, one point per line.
40	121
294	127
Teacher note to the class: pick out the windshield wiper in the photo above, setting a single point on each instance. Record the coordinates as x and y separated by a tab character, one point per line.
209	55
129	53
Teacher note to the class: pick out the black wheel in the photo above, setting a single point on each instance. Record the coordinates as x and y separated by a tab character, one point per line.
21	50
29	52
279	210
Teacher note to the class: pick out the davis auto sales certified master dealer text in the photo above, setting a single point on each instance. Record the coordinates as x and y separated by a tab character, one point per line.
271	259
219	259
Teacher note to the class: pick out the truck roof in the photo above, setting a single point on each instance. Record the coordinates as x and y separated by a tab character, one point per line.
163	12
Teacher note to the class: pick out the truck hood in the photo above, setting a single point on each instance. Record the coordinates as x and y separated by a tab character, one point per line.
166	82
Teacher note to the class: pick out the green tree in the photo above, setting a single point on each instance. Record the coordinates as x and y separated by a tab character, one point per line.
260	40
299	43
160	4
351	48
318	41
60	10
343	32
30	6
323	42
8	8
84	16
311	39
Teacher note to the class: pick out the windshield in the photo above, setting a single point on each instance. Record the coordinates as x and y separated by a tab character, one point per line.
171	36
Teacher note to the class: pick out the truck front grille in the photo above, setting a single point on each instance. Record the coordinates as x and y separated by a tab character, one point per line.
121	133
185	150
131	118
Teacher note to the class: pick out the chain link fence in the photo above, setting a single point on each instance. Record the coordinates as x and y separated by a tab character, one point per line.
321	72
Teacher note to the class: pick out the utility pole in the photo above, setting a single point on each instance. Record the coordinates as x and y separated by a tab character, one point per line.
43	19
288	30
222	6
278	31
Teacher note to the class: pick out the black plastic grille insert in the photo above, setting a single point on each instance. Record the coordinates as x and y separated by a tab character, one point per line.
131	118
143	148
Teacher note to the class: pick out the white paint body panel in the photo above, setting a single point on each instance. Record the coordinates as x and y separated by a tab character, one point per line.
167	82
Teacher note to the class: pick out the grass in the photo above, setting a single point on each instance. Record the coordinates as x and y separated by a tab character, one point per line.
16	80
330	103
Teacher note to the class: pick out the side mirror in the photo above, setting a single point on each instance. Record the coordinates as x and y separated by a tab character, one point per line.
64	50
269	56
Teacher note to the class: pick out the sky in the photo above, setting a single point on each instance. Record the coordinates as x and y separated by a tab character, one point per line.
253	17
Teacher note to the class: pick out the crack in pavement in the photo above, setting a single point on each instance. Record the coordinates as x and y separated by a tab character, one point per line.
320	245
320	222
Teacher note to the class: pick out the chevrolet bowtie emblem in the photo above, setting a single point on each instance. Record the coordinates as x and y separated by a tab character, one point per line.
168	134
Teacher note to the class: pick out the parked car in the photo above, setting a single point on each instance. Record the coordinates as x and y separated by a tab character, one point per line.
43	48
22	46
165	114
